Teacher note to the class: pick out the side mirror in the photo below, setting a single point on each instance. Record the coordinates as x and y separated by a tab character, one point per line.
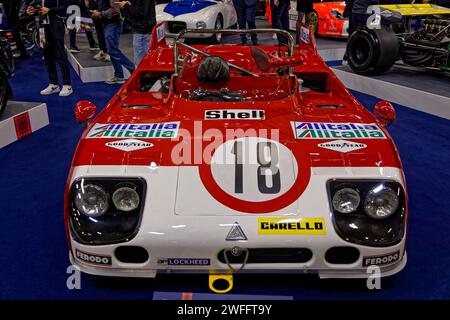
84	111
385	112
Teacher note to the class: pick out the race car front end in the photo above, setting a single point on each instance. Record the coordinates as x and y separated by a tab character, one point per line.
126	221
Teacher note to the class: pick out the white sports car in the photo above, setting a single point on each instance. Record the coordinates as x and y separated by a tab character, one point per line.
196	14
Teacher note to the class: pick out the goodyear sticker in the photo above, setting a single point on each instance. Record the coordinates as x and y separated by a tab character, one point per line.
292	226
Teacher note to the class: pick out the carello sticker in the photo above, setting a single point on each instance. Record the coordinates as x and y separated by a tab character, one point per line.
184	262
162	130
291	226
331	130
381	260
241	114
96	259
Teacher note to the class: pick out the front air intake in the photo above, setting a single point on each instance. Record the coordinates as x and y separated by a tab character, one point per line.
131	254
268	255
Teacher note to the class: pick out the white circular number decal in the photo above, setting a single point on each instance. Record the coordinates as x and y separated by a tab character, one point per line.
254	169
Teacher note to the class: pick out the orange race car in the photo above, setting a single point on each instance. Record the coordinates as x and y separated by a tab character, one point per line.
327	20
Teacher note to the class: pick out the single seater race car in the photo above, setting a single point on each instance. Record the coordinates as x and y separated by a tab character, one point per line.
326	20
196	14
374	51
235	158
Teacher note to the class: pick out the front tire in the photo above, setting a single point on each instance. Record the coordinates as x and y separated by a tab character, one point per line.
218	25
372	52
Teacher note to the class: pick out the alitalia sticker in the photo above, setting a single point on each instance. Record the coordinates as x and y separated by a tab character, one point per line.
291	226
332	130
162	130
129	145
342	145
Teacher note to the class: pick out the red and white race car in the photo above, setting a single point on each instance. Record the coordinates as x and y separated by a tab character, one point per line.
234	157
326	20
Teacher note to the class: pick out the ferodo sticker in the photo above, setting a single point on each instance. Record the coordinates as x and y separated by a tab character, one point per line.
381	260
184	262
162	130
291	226
325	130
96	259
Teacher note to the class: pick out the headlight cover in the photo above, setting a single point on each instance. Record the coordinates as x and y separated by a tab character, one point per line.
346	200
126	199
381	202
117	223
91	200
381	229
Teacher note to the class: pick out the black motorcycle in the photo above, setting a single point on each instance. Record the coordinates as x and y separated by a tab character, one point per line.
7	69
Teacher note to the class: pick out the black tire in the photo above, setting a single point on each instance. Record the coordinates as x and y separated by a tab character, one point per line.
219	21
372	52
314	23
4	90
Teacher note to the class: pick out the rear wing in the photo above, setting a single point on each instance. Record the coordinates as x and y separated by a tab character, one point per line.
422	9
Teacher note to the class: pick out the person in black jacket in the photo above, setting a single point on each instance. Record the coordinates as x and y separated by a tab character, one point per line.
112	26
142	15
54	13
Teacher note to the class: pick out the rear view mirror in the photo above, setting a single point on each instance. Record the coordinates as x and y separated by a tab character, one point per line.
84	111
385	112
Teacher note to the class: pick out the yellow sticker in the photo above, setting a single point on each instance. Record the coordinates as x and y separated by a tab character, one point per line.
292	226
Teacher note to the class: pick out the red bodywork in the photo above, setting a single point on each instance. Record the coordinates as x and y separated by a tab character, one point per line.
277	95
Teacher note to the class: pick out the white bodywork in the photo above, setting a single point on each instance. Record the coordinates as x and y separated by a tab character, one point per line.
182	220
209	15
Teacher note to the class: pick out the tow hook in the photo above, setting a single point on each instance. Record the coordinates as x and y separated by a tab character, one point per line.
223	283
220	283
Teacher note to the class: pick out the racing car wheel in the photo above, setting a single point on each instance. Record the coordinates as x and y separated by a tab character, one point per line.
372	52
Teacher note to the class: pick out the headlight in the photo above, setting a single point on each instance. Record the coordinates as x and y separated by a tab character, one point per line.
91	200
346	200
369	212
201	25
125	199
106	210
381	202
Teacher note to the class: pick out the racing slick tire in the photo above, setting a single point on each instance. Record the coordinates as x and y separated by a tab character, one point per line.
372	52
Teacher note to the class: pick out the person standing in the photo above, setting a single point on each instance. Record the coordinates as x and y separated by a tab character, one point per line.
305	9
73	31
53	12
102	55
142	15
112	26
246	14
280	17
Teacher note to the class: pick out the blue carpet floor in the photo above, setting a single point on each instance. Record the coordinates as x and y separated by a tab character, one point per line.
33	250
